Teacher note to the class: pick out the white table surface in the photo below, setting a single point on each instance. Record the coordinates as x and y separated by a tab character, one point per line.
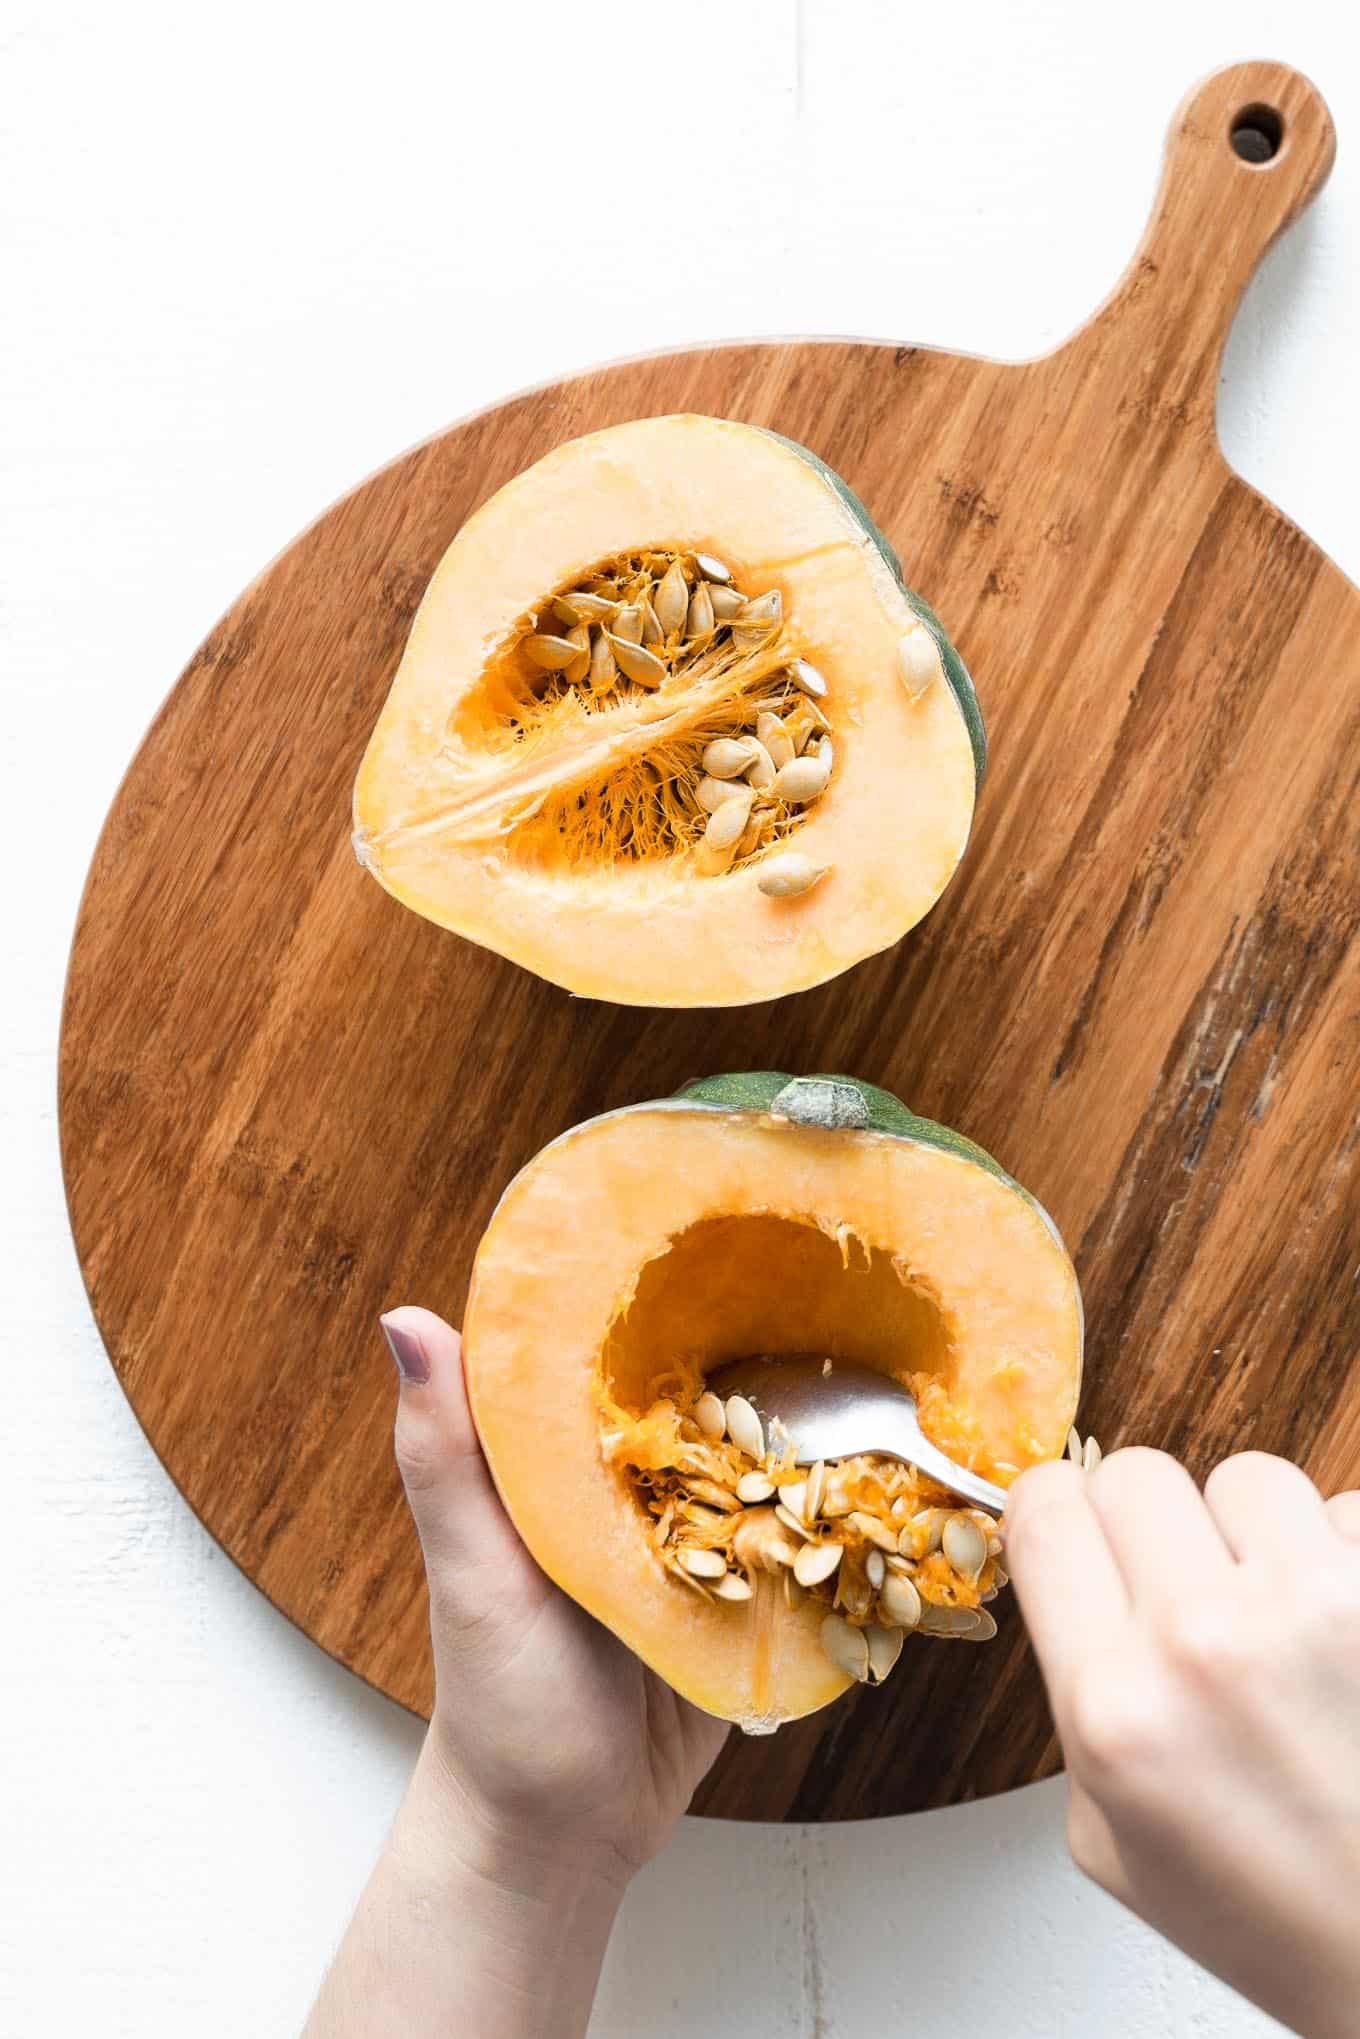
250	253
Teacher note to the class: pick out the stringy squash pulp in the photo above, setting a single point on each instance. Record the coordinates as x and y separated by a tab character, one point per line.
755	1215
669	728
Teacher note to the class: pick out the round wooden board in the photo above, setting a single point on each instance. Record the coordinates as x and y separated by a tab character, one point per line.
287	1103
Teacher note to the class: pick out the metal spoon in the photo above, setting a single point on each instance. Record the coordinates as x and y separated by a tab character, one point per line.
849	1410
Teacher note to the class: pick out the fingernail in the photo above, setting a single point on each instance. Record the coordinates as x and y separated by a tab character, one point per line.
407	1350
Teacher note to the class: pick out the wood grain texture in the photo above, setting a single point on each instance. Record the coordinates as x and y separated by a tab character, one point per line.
286	1103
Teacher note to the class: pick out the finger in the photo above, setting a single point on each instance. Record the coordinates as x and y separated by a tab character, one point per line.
1343	1512
1264	1506
1070	1591
1158	1527
1092	1843
458	1513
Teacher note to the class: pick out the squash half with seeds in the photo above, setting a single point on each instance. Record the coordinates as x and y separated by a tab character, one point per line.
669	728
760	1216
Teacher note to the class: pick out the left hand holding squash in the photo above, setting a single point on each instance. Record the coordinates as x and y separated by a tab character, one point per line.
549	1729
554	1766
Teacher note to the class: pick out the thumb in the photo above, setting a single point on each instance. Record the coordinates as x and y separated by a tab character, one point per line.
462	1525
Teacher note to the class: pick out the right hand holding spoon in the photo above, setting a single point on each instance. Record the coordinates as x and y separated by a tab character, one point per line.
1202	1659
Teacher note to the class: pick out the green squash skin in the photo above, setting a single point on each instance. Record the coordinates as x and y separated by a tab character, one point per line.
755	1090
956	672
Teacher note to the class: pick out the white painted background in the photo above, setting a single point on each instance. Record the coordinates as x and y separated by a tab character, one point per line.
248	253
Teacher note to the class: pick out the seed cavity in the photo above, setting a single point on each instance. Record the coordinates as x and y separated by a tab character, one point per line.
869	1549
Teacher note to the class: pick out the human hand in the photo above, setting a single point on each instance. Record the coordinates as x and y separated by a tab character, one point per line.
1202	1659
551	1733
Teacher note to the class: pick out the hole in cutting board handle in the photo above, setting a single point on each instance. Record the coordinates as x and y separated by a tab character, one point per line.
1256	134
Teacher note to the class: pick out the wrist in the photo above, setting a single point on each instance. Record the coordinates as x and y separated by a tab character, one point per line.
516	1858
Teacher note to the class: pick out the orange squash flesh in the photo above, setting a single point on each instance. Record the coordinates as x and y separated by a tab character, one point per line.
677	1235
447	826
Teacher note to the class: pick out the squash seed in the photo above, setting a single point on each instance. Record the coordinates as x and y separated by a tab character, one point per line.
590	608
715	793
732	1586
965	1546
754	1487
872	1530
708	1414
847	1647
702	1564
727	757
918	661
938	1620
553	654
800	781
628	623
825	753
712	569
604	670
994	1546
565	609
982	1631
1074	1445
722	832
885	1647
672	600
776	740
816	1490
899	1602
792	1521
744	1427
636	663
876	1569
1090	1455
727	603
855	1596
755	829
928	1523
793	1494
578	635
760	1543
760	773
790	875
652	633
700	620
815	1562
714	1496
759	617
806	678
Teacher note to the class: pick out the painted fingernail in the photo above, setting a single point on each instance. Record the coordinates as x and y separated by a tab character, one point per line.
407	1350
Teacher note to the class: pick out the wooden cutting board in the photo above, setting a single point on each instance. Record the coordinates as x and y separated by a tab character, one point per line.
287	1103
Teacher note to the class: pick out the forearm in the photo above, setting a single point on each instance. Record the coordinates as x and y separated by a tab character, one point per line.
459	1931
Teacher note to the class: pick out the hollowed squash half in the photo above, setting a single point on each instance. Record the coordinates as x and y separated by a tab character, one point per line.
669	728
763	1215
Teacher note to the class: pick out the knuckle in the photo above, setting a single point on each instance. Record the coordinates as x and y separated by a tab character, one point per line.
1115	1732
1033	1507
1135	1464
1243	1468
1206	1646
419	1453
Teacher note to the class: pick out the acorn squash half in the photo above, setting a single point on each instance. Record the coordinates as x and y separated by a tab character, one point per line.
759	1215
669	728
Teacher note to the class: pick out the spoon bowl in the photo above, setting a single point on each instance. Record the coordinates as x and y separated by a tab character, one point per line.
831	1409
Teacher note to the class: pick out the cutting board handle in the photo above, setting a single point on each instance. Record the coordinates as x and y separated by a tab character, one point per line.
1248	149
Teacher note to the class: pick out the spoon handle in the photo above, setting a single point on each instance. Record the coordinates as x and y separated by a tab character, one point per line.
918	1451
